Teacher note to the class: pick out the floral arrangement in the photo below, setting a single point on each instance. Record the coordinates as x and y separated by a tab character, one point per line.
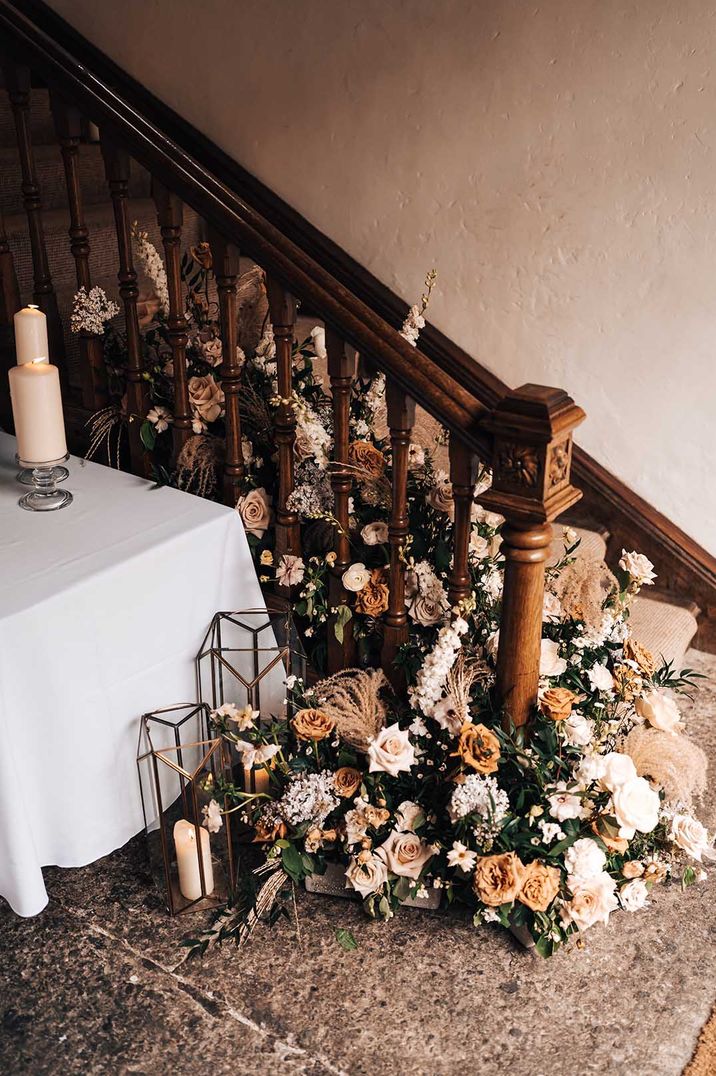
545	830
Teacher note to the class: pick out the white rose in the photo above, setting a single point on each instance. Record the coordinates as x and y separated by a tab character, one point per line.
551	607
689	834
318	335
375	533
600	678
636	806
632	896
409	815
590	769
577	730
660	710
617	769
356	577
550	663
391	751
584	859
593	899
255	511
479	545
405	854
368	876
638	567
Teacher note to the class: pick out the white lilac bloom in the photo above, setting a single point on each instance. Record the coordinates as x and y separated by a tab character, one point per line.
91	311
308	798
483	799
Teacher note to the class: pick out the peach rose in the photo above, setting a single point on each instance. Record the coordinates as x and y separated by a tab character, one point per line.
498	879
405	854
255	511
478	748
557	702
206	397
540	886
373	598
366	457
312	725
346	781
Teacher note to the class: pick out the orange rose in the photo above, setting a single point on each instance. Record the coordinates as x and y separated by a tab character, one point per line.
540	886
346	781
498	879
312	725
364	455
372	600
478	748
557	703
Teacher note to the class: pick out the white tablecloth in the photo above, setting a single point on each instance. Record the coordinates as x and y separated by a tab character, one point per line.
103	606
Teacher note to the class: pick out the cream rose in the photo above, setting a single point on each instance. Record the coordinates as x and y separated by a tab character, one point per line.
405	854
391	751
355	577
440	497
550	663
593	900
409	815
636	807
206	397
375	533
691	836
255	511
367	874
426	610
632	896
660	710
617	769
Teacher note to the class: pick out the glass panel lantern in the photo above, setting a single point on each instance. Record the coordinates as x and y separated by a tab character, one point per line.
189	837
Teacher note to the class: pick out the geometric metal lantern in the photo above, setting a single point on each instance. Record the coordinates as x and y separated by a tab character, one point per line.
189	839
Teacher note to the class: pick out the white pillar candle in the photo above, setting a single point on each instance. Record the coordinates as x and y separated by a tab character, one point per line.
31	335
188	860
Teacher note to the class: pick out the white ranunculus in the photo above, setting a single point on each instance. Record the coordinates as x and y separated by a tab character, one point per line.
318	335
600	678
409	815
660	710
405	854
356	577
577	730
616	770
632	896
367	874
584	859
638	567
550	663
375	533
593	899
391	751
636	807
691	836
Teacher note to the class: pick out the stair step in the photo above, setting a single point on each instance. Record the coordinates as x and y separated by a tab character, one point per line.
51	178
663	626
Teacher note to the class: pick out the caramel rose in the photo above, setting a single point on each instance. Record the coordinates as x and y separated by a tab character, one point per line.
346	781
478	748
627	683
370	460
201	253
498	879
540	886
634	651
312	725
206	397
372	600
557	702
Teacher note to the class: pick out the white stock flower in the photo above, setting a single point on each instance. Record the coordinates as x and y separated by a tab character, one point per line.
375	533
638	567
367	874
391	751
691	836
584	859
660	710
636	807
461	857
355	577
616	770
632	896
550	663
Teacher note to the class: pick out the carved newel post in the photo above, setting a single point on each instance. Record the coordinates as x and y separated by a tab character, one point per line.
532	453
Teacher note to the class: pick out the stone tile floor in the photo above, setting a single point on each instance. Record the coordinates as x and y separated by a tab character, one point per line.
98	984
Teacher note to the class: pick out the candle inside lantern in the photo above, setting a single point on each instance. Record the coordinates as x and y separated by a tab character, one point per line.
188	860
35	392
256	780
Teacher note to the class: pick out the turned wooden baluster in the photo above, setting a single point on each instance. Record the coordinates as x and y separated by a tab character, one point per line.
116	165
170	216
532	429
401	419
17	81
282	307
462	477
68	127
9	305
225	257
341	368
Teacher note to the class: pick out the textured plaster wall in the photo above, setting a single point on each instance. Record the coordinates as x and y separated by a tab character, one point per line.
555	161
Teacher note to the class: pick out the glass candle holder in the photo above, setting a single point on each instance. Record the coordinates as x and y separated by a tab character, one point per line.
24	476
44	496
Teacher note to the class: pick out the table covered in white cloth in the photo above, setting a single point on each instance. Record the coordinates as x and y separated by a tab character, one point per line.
103	606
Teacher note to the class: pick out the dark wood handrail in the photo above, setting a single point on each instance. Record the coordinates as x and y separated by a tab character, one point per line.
447	398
